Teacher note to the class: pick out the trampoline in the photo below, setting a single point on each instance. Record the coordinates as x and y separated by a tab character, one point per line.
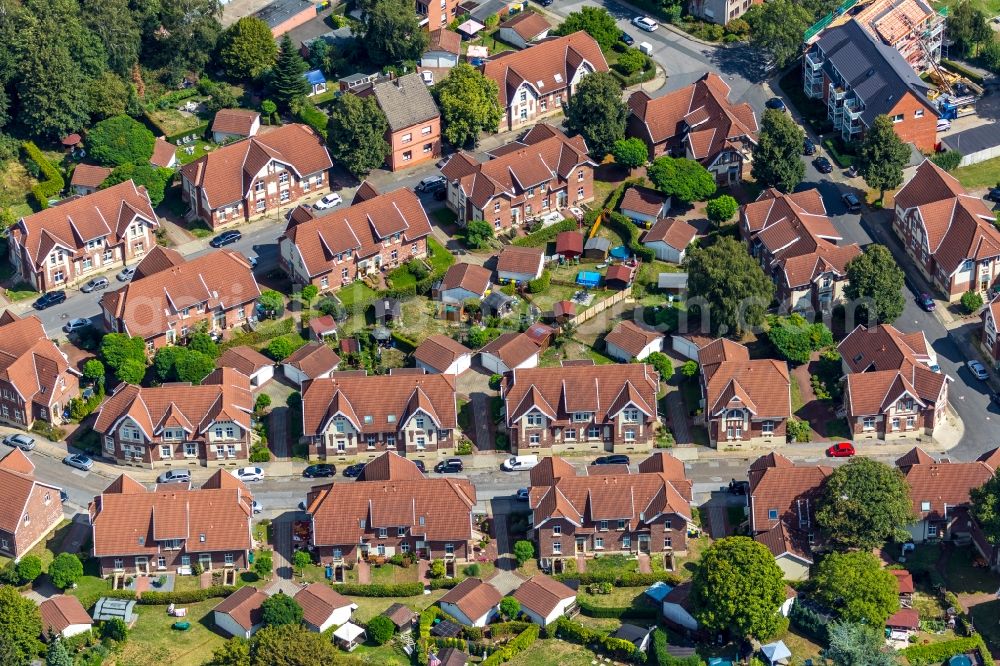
620	252
588	279
960	660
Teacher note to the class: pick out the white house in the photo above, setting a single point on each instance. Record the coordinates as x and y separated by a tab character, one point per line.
463	282
629	341
442	355
523	28
644	206
323	608
520	264
687	345
669	239
545	600
790	549
64	616
233	124
677	607
443	49
472	602
509	351
249	361
240	613
314	360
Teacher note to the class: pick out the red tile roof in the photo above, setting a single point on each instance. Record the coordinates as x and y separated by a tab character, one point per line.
445	40
792	491
244	606
89	175
644	200
319	601
731	378
514	259
235	121
473	597
313	359
244	359
569	242
677	234
782	539
528	25
467	276
164	153
631	338
390	466
937	489
512	348
31	363
541	594
904	618
440	351
17	481
61	611
905	580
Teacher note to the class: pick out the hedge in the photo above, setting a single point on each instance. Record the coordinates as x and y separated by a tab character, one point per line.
514	647
642	76
443	583
266	331
631	233
198	131
151	598
501	629
591	609
622	579
663	657
52	183
810	622
547	234
961	69
574	632
381	589
934	653
404	343
540	284
312	116
427	618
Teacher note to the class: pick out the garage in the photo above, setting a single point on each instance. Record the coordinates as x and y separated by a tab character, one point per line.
688	345
976	144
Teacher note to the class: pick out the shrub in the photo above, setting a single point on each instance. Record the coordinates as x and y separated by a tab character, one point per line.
280	348
114	630
463	448
310	114
631	61
51	182
545	235
810	622
262	402
495	380
600	588
184	596
29	568
382	589
472	570
798	430
574	632
972	301
478	233
663	365
514	647
380	629
591	609
65	570
301	559
662	656
259	454
263	565
280	609
437	569
120	140
947	160
541	284
621	579
524	551
690	369
627	230
936	653
510	607
975	77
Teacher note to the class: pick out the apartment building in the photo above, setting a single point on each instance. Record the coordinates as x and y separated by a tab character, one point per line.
912	27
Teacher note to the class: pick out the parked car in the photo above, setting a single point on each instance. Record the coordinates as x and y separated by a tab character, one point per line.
775	103
925	302
808	147
125	274
739	487
63	495
21	441
978	369
316	471
226	238
252	260
841	450
174	476
95	284
249	474
449	466
522	494
545	3
994	194
257	507
626	39
943	125
429	182
823	165
354	471
519	463
329	201
852	172
419	464
617	459
76	325
645	23
851	202
48	299
79	461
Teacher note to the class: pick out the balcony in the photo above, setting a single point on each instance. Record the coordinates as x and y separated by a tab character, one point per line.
813	61
837	92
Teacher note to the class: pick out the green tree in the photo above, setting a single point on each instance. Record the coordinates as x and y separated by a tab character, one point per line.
875	277
776	29
732	284
120	140
478	233
864	504
479	336
795	339
20	626
972	301
737	587
949	159
596	22
968	26
153	178
263	565
234	652
180	35
131	371
596	111
221	97
29	568
301	559
690	369
269	108
722	209
272	302
683	179
262	402
882	156
93	370
280	609
856	585
469	104
165	362
392	33
858	645
51	91
631	61
510	607
524	551
380	629
293	645
203	342
777	157
247	48
194	366
114	630
990	57
126	356
630	153
58	655
109	96
287	83
662	364
356	134
65	570
280	348
114	23
986	508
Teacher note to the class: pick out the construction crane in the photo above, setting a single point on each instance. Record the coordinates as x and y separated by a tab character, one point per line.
927	52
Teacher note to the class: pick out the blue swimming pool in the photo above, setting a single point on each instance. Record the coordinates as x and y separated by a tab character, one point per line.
588	279
960	660
620	252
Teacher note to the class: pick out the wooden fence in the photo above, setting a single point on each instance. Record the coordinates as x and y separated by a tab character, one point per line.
601	306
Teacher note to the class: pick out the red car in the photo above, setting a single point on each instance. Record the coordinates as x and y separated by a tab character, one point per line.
841	450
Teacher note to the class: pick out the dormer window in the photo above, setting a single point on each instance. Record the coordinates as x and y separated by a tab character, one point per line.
391	418
420	422
534	419
368	419
772	514
581	417
383	532
631	415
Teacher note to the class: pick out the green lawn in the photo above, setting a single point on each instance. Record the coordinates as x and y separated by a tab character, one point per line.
991	7
354	293
983	174
443	216
369	607
963	577
619	597
21	292
390	573
685	565
554	652
401	278
440	258
985	618
200	147
154	641
797	402
612	564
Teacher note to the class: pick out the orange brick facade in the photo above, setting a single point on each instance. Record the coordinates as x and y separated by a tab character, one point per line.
344	271
558	538
437	13
169	560
42	512
278	188
916	125
374	546
414	145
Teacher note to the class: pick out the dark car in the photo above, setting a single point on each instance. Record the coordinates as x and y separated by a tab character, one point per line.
63	495
994	398
823	165
851	202
226	238
618	459
925	302
775	103
441	194
316	471
808	147
353	471
739	487
449	466
545	3
994	194
419	464
626	39
49	299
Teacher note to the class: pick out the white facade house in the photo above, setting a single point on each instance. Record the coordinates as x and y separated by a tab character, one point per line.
64	616
472	602
544	600
240	613
669	239
628	341
440	354
508	352
323	608
520	264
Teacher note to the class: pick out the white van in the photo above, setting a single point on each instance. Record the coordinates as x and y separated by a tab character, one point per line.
518	463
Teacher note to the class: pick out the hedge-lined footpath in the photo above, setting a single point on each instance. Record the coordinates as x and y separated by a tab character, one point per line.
574	632
53	182
514	647
427	618
936	653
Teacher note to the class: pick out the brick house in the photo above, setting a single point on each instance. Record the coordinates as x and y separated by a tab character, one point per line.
234	124
29	509
65	244
177	424
414	134
947	233
36	380
747	402
333	249
581	408
609	511
350	415
796	244
392	509
255	176
172	528
171	296
87	178
543	171
891	390
535	83
437	14
858	78
698	122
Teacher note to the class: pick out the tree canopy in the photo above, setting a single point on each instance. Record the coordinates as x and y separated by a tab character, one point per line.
777	157
864	504
986	508
279	609
247	48
776	29
968	26
595	21
120	140
478	233
683	179
795	339
356	134
469	104
392	32
65	570
875	282
287	82
20	626
153	178
882	156
737	587
596	111
734	287
858	645
856	585
126	356
630	153
722	209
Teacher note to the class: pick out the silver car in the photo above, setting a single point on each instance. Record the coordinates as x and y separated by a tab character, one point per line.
79	461
22	442
96	284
